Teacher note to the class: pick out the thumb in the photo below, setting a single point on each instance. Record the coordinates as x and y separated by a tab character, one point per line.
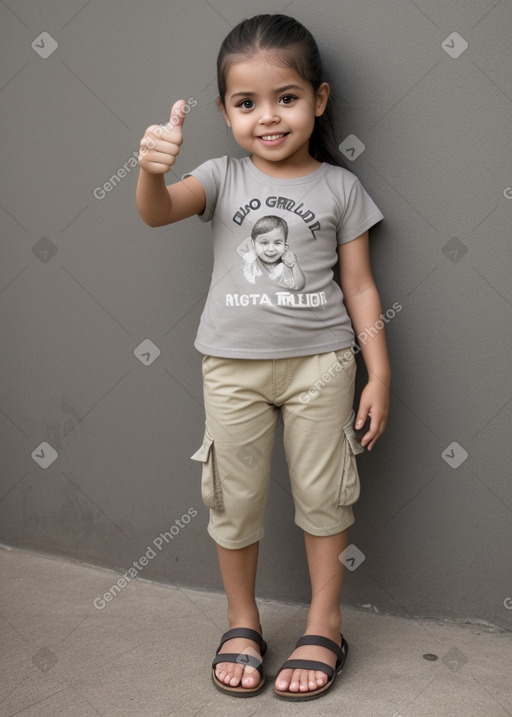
177	114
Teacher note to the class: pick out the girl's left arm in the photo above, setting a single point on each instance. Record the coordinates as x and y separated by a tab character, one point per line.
364	308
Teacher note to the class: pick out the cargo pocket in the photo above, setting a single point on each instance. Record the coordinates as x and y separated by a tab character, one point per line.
211	490
349	480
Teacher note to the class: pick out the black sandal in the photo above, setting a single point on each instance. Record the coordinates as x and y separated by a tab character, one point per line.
318	640
241	659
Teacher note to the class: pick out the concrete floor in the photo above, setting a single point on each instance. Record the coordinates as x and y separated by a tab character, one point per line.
148	652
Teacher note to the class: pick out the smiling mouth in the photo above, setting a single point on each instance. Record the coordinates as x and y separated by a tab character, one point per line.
273	137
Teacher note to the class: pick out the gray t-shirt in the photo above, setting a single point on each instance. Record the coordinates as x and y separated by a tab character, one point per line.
272	293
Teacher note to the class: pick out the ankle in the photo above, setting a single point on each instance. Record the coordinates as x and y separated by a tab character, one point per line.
324	622
244	617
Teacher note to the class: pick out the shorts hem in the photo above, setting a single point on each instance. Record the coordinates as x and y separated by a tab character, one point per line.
324	532
236	544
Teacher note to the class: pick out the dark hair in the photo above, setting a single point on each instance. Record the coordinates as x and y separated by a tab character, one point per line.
297	49
267	224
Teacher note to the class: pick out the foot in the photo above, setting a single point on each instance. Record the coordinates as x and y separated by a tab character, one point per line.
308	680
234	674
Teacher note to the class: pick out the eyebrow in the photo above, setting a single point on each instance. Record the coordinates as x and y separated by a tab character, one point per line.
286	88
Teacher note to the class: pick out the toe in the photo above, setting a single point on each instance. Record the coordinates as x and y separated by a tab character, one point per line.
235	674
220	672
305	680
319	678
250	680
228	674
295	682
283	680
313	683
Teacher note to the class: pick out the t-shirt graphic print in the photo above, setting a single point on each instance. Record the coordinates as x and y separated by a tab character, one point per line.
273	293
267	251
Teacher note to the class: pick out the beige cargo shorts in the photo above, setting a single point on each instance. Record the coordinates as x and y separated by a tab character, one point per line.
243	398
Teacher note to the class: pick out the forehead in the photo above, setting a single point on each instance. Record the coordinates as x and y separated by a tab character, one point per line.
277	233
261	72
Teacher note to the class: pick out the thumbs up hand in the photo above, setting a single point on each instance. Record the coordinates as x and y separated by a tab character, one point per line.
161	143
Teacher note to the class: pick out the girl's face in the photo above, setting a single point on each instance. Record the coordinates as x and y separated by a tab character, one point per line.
270	246
271	110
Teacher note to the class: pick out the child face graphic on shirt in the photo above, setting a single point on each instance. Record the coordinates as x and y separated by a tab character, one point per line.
271	246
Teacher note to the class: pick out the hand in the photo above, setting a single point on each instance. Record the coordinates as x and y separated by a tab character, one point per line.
289	259
161	143
375	404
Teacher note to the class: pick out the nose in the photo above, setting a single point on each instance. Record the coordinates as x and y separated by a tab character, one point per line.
268	114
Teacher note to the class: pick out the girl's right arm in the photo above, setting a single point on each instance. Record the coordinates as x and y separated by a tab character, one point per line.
157	204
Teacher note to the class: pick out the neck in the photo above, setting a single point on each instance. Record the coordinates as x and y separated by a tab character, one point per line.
285	169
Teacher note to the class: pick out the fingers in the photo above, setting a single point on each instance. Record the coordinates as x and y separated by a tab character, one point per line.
376	430
378	420
161	143
361	419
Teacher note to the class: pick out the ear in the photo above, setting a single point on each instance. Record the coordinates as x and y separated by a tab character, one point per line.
321	97
220	105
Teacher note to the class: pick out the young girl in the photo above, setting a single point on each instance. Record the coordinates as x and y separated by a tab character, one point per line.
270	349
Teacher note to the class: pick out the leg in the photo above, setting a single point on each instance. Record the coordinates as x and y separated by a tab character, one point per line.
320	465
241	421
238	570
324	616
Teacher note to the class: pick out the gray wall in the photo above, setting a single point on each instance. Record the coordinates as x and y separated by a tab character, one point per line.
83	282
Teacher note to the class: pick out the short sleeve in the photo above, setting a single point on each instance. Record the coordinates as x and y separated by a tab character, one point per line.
359	214
208	174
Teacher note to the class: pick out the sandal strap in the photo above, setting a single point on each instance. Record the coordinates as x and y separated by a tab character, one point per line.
240	659
308	665
321	641
248	634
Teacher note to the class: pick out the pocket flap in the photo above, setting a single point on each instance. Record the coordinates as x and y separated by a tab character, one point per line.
203	453
348	429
